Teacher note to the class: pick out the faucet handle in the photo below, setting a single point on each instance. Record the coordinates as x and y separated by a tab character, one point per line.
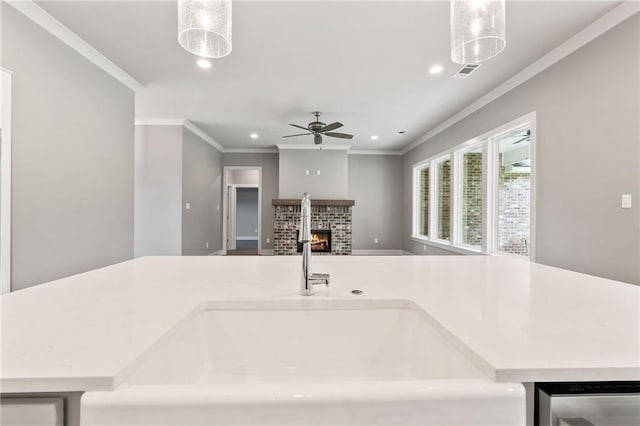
318	279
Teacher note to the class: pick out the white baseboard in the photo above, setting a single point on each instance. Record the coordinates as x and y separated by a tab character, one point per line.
217	253
247	238
377	252
266	252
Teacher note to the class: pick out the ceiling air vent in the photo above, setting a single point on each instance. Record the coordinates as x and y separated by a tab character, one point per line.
466	71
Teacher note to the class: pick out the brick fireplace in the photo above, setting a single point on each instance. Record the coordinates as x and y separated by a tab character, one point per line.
326	215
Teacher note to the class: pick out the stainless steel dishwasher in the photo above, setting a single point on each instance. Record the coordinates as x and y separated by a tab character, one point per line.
587	404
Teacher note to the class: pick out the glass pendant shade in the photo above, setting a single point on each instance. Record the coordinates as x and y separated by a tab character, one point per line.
477	30
204	27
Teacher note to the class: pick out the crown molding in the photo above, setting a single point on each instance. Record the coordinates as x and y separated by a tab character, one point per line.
160	121
588	34
250	150
309	147
276	150
38	15
373	152
189	125
201	133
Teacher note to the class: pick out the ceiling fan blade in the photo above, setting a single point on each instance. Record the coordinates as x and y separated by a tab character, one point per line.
317	139
526	138
332	126
299	134
339	135
299	127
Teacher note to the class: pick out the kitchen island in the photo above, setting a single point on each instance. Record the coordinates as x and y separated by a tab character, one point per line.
516	321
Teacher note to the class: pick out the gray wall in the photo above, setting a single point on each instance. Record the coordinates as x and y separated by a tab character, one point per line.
201	187
173	167
72	158
247	212
245	177
375	183
269	164
587	155
332	182
158	191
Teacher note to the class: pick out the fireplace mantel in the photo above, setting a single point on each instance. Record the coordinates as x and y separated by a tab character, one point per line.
296	202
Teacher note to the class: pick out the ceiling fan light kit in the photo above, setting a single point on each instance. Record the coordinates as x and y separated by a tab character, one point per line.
204	27
319	129
478	30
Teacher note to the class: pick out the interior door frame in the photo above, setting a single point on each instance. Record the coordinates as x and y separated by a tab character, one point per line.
232	196
5	181
225	197
232	189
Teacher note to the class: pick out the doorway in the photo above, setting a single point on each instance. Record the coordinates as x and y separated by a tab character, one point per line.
242	224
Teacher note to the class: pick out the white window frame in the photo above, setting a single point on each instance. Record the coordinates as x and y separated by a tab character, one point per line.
458	190
417	170
488	141
434	204
493	229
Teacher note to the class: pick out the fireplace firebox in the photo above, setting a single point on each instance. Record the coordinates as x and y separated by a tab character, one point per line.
320	241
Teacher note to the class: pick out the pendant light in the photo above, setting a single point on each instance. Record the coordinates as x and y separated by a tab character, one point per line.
477	30
204	27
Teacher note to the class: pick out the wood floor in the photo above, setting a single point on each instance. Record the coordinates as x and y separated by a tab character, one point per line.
245	252
244	248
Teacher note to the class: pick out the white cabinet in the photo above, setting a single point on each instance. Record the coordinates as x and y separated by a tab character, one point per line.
31	411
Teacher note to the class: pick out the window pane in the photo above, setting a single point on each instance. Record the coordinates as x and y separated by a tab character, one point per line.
472	197
514	192
424	202
444	199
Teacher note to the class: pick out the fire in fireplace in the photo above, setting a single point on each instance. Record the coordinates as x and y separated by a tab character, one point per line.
320	241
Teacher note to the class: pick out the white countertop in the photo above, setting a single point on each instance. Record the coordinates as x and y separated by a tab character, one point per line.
518	321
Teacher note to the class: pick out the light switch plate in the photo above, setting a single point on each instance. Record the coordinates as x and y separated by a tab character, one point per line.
626	201
187	206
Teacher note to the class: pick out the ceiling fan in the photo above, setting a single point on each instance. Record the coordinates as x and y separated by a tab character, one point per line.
319	129
525	137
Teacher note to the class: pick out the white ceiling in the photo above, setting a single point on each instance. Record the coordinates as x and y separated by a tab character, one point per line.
362	63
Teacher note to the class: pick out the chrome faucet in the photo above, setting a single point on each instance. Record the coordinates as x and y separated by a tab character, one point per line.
308	279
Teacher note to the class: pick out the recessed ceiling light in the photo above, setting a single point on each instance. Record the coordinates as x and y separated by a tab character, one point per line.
204	63
253	136
374	137
436	69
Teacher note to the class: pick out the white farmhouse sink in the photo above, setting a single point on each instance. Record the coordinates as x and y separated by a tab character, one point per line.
316	362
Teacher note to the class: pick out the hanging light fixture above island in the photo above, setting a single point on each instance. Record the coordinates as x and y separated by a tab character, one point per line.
204	27
477	30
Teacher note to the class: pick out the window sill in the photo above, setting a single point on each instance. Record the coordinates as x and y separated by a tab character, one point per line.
446	246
